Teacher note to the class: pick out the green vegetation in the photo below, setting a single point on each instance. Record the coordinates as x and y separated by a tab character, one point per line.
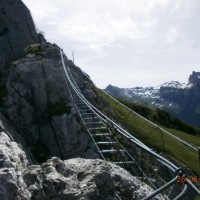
152	135
33	48
3	93
160	117
36	48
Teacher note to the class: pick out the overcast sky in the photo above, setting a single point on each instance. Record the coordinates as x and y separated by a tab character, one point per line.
125	43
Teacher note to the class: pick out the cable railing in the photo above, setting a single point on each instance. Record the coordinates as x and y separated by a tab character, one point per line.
191	146
133	155
155	125
156	136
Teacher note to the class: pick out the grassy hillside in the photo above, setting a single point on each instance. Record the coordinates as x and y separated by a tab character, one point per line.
160	117
153	136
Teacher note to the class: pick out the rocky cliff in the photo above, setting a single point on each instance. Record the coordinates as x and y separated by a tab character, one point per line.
17	29
39	126
180	99
37	103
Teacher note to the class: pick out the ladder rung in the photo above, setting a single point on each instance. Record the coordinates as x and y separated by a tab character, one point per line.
106	142
125	162
93	122
88	118
112	151
87	114
102	134
97	128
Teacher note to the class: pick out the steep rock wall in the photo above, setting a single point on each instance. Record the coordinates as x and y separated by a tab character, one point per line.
17	29
38	104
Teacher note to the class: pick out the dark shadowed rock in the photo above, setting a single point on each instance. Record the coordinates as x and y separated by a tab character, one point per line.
17	29
195	79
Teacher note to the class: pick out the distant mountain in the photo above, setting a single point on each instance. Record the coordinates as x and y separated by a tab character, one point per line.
180	99
47	127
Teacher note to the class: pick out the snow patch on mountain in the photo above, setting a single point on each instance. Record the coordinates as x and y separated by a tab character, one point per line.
177	98
150	94
140	91
153	92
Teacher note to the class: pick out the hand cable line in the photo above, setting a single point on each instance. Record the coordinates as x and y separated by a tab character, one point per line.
128	135
108	122
175	137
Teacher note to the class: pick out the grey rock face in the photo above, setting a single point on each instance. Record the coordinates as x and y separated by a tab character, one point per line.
72	139
13	164
74	179
17	29
80	179
83	81
39	105
195	78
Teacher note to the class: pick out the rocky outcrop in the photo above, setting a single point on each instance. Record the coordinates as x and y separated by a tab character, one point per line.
184	103
83	81
17	30
194	79
45	124
74	179
33	93
38	104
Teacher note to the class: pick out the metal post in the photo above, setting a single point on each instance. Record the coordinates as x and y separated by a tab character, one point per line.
73	56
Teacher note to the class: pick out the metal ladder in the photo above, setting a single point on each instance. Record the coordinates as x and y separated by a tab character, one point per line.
104	133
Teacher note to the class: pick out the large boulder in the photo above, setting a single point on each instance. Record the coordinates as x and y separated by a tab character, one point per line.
17	29
83	179
73	179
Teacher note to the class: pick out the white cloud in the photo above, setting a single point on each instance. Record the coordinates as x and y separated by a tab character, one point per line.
171	35
124	38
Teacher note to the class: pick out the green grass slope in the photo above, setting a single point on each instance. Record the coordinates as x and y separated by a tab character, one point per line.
152	135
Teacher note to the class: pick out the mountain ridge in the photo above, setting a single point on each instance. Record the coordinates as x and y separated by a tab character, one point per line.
180	99
45	149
